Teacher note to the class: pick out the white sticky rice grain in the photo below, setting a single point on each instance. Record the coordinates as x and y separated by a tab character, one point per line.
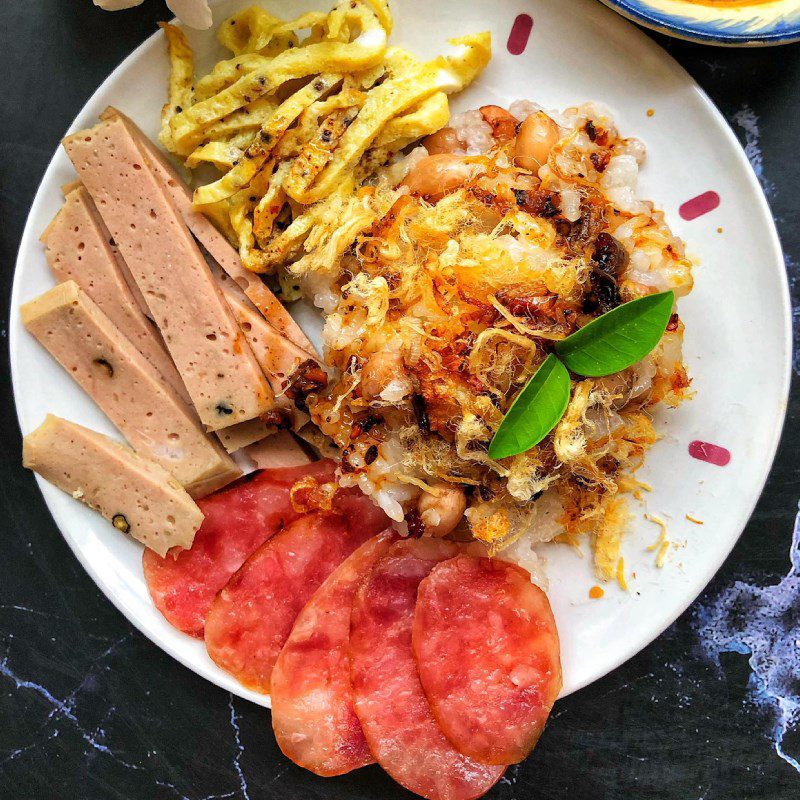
654	278
518	249
377	481
545	528
396	390
621	171
473	131
521	109
319	286
639	260
407	163
636	148
523	555
571	204
393	509
619	184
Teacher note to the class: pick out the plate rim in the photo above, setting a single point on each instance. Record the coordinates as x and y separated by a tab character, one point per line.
624	654
696	31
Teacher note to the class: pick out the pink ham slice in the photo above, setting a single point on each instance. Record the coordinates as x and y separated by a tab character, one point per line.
487	652
388	696
238	520
251	618
312	700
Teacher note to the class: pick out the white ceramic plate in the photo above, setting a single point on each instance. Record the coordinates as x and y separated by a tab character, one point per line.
737	318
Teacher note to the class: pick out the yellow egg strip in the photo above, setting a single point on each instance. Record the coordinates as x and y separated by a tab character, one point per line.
219	214
311	19
324	57
242	124
281	246
381	9
258	152
316	152
428	117
623	583
223	155
247	120
270	205
396	95
241	206
226	73
181	78
247	31
254	30
308	122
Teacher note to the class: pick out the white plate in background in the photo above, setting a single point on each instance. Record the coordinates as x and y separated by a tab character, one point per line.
737	319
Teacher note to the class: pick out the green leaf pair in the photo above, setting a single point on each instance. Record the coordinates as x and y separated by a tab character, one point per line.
608	344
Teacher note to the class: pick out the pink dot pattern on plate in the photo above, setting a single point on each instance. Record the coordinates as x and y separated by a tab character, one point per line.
697	206
712	453
519	35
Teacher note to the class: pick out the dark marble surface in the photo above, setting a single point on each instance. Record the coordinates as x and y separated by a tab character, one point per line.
89	708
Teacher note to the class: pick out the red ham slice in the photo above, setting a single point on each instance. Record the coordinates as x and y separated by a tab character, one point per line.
251	618
237	521
312	699
487	652
388	696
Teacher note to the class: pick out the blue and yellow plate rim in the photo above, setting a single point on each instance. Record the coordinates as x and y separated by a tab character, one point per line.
760	24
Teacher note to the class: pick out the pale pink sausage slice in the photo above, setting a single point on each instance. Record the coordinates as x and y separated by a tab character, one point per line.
251	618
237	522
78	247
487	652
211	354
313	717
146	410
214	242
389	700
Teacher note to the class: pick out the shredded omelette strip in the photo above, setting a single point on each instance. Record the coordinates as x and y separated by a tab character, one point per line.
292	122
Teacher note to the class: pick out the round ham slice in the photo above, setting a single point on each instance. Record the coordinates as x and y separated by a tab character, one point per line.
251	618
487	652
388	696
312	700
237	521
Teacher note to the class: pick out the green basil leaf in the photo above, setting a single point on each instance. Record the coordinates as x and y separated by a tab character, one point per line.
535	411
618	339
